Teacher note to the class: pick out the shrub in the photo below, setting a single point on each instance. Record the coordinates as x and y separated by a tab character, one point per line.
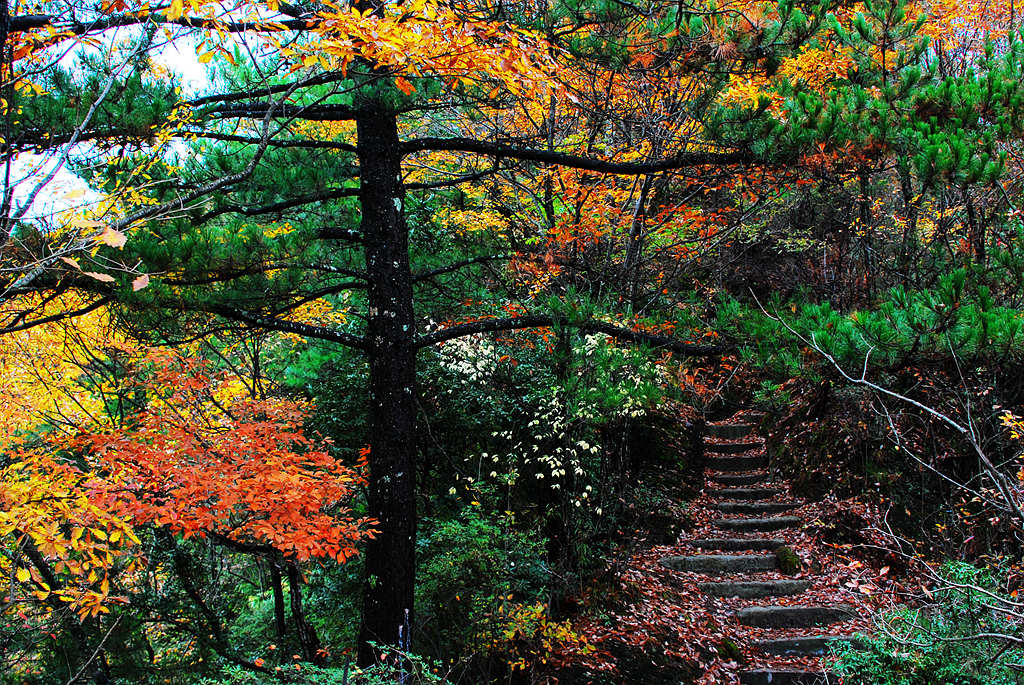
470	567
949	642
415	671
527	635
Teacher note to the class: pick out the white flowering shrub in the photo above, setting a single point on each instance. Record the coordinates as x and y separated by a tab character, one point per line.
556	442
530	431
472	359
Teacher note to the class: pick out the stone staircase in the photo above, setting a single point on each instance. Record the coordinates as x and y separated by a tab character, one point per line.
746	571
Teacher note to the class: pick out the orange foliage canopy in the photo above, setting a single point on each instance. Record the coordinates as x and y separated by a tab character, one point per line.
244	474
967	24
199	459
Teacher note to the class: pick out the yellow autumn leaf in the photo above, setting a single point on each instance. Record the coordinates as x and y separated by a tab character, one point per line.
176	9
23	575
82	222
111	237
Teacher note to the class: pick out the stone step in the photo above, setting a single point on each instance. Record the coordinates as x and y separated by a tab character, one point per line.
755	589
760	525
738	544
807	645
756	508
740	478
745	493
758	461
793	616
785	677
730	431
722	563
731	447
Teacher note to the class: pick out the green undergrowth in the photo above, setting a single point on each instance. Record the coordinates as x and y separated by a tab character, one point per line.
964	636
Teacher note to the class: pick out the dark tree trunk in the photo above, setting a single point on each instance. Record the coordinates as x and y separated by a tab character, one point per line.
635	241
865	225
280	626
976	228
309	641
908	247
558	523
390	557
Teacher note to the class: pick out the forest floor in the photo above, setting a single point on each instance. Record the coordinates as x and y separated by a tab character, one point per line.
754	590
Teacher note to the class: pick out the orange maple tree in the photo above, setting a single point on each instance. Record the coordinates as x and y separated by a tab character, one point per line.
244	473
198	459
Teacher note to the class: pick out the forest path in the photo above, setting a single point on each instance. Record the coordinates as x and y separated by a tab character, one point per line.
754	590
752	570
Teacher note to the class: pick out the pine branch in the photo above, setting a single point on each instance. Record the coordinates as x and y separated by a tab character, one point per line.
502	151
662	342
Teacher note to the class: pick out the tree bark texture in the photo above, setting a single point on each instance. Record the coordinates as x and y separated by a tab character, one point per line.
390	556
